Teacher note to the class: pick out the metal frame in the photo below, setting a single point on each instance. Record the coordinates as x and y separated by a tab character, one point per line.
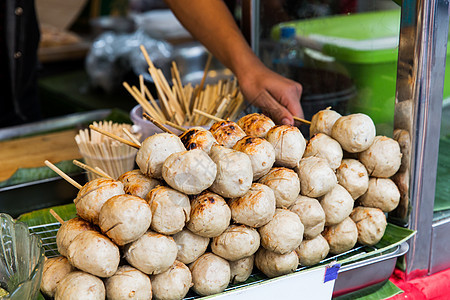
420	83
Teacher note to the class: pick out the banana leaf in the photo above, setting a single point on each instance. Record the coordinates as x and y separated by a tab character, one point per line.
386	291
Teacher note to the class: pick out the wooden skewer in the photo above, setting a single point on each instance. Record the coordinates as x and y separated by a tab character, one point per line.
302	120
63	175
89	169
159	125
102	172
131	136
181	128
113	136
205	71
147	58
56	216
207	115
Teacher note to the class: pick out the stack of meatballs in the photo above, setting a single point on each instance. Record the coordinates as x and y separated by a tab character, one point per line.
206	207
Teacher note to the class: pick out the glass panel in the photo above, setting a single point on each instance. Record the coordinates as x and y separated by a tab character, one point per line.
344	53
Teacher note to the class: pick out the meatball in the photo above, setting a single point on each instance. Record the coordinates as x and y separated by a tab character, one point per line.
321	145
210	274
256	208
70	230
190	245
382	193
170	210
371	224
323	121
241	269
234	172
236	242
352	175
285	184
128	283
341	237
80	285
172	284
316	177
93	195
189	172
198	138
273	264
260	152
256	124
210	215
311	252
155	150
354	132
283	233
311	214
137	184
227	133
55	269
382	158
337	205
289	145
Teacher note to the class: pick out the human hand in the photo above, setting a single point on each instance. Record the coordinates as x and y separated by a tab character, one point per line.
277	96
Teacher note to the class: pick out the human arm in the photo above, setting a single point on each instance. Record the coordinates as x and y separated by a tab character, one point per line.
211	23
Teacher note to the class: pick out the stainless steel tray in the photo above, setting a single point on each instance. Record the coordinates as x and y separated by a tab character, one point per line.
352	276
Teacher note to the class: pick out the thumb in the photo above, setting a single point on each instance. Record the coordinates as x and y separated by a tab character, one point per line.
271	107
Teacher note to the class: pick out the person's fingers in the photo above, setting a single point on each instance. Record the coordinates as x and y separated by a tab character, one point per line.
290	98
278	113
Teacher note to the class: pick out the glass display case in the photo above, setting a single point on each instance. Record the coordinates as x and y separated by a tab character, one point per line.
387	61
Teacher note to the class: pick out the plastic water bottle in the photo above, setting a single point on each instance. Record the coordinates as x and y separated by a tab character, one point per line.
288	54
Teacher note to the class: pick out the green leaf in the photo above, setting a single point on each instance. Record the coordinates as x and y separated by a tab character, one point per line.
43	216
386	291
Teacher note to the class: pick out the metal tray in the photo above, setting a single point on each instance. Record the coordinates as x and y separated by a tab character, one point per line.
352	276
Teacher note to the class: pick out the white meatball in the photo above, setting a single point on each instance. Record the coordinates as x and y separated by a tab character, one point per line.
55	269
152	253
316	177
404	141
256	208
128	283
323	121
337	205
311	252
283	233
321	145
198	138
241	269
256	124
189	172
236	242
311	214
354	132
172	284
285	184
234	172
137	184
352	175
93	195
190	245
371	224
289	145
94	253
382	158
227	133
382	193
210	274
124	218
69	231
210	215
260	152
341	237
273	264
170	210
155	150
79	285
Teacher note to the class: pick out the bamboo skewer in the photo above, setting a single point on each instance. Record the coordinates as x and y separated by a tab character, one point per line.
208	115
159	125
302	120
131	136
175	126
102	172
90	169
113	136
56	216
62	174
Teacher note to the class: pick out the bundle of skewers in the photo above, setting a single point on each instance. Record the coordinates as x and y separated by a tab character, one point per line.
178	103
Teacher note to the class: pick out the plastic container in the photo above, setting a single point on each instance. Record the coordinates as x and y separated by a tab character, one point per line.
366	46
